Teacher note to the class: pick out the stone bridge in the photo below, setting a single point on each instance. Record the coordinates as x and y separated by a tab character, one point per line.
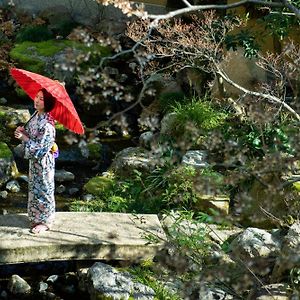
80	236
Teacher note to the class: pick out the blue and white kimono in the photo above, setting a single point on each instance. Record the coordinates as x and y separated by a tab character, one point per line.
41	202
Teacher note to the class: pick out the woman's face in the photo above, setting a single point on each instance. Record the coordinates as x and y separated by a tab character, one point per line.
39	102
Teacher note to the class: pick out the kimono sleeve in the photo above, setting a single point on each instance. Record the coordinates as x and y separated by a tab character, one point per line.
39	147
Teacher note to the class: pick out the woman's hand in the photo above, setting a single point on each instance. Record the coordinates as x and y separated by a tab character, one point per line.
21	134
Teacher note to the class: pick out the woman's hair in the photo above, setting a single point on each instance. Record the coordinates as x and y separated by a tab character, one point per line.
49	100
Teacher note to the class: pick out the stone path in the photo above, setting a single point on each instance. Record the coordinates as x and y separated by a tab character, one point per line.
79	236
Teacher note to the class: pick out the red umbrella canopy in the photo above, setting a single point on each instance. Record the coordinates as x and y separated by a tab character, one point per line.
64	111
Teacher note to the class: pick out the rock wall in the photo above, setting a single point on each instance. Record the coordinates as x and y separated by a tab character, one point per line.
87	12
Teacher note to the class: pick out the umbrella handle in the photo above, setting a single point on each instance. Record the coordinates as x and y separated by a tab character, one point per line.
30	118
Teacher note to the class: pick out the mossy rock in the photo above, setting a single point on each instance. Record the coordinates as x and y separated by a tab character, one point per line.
5	152
213	203
257	197
34	56
95	150
99	185
296	185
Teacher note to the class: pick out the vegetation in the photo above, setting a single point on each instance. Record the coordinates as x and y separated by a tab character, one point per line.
31	54
5	152
250	129
34	34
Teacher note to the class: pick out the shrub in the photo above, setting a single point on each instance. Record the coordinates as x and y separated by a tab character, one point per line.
64	27
34	33
200	113
167	100
96	205
99	185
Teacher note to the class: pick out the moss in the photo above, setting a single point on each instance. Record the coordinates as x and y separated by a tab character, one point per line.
29	54
60	128
94	150
99	185
5	152
34	33
297	186
87	206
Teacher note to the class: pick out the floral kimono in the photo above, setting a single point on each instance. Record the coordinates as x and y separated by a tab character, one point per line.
41	202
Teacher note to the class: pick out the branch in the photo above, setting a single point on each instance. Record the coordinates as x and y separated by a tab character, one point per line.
257	94
191	8
291	7
187	3
107	122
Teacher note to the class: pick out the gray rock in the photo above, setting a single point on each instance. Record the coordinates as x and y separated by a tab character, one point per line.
18	285
167	123
13	186
279	291
145	139
87	197
73	191
3	194
52	278
43	286
134	158
212	293
105	281
3	100
255	242
60	189
289	257
8	167
3	295
142	292
195	158
63	175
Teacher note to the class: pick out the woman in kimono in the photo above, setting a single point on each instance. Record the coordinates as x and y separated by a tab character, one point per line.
38	139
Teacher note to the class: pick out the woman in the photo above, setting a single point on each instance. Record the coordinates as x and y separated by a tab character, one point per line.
38	138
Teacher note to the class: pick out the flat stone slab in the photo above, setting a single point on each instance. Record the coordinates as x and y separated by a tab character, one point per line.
80	236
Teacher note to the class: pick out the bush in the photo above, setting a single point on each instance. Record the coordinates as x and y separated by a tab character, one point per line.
34	33
167	100
200	113
64	27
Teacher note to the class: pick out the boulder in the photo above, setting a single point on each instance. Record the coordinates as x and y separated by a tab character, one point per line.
243	71
278	291
289	255
105	282
134	158
8	167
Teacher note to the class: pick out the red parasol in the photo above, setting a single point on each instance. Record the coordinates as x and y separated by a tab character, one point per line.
64	111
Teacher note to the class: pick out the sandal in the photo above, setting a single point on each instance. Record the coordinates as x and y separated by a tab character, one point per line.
39	228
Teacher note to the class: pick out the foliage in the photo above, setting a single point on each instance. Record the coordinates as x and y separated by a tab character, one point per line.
147	276
31	54
34	33
94	150
295	278
99	185
167	100
257	140
117	204
193	41
4	150
197	115
280	23
63	28
3	130
244	39
95	205
201	113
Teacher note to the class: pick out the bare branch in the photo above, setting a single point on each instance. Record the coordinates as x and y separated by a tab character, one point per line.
192	8
291	7
257	94
186	3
